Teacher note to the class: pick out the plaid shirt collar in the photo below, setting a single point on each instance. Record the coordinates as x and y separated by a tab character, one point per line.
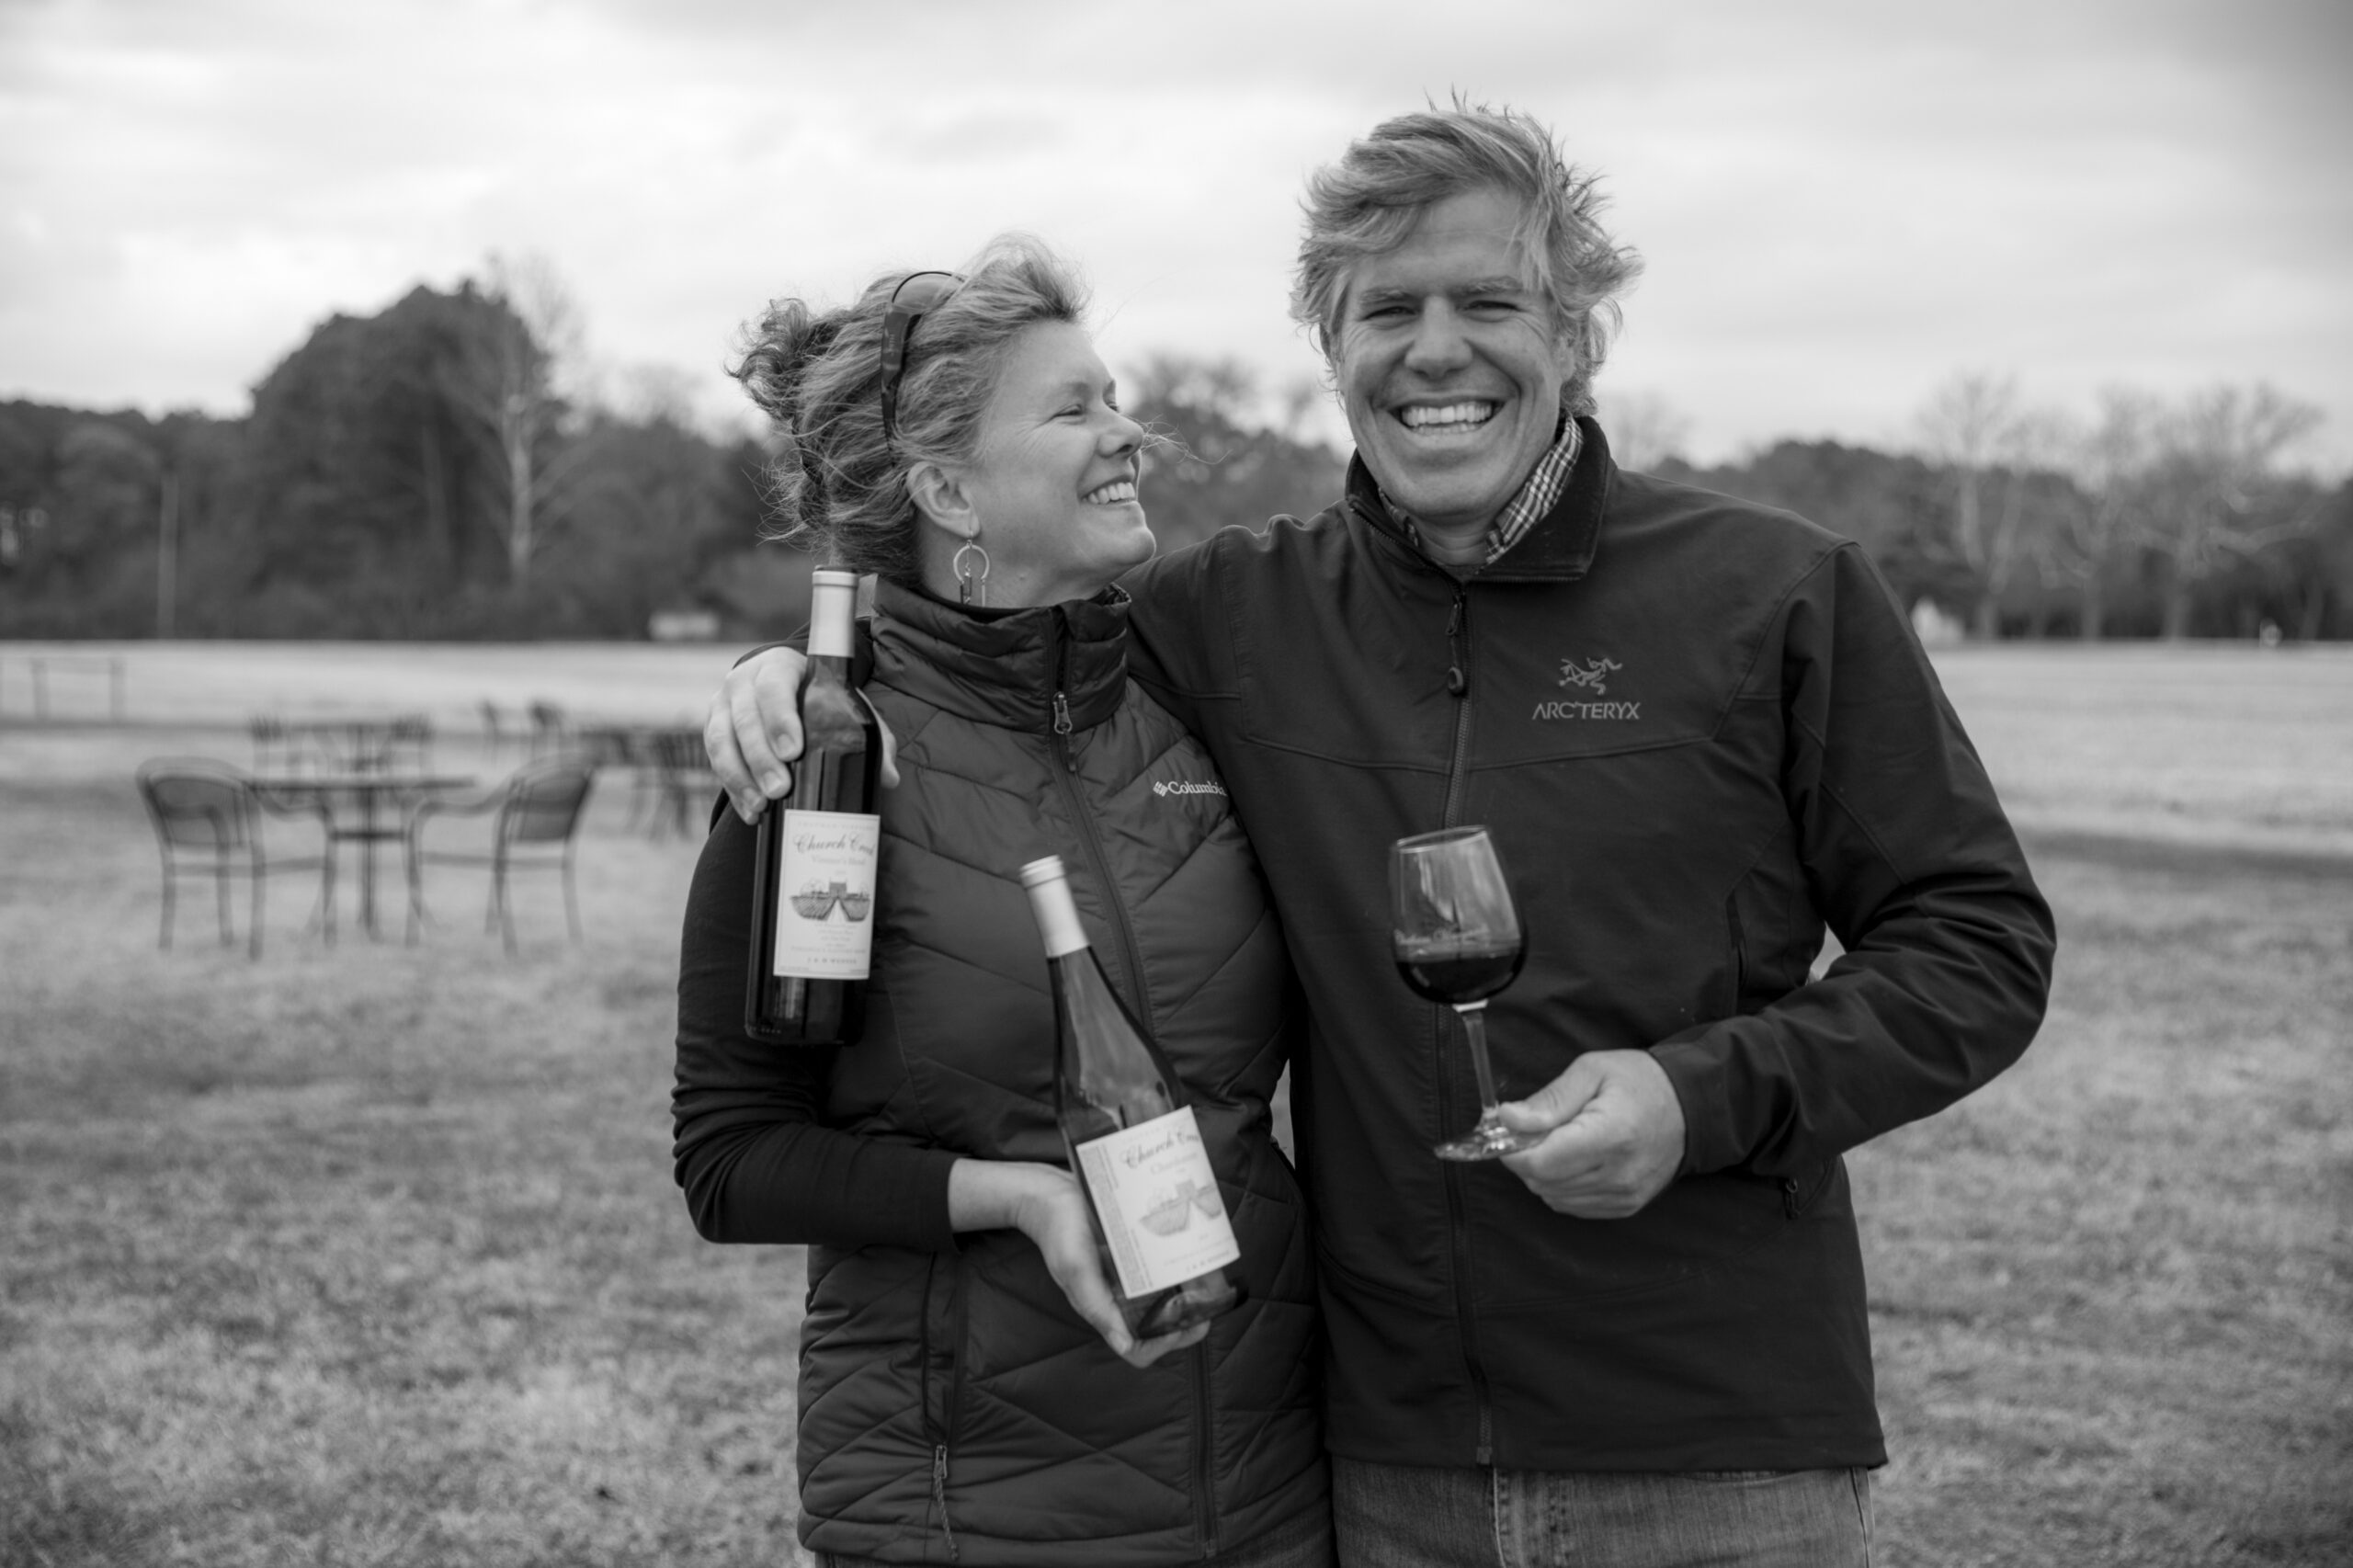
1539	495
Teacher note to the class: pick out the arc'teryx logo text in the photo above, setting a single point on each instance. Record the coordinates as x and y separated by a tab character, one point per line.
1588	676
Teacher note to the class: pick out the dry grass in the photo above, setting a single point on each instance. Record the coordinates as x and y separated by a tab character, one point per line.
367	1255
370	1254
222	683
2216	744
2112	1294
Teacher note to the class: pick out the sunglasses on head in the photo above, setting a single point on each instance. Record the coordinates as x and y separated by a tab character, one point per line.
917	295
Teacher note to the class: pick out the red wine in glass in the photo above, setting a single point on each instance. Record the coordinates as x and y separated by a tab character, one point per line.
1464	975
1457	938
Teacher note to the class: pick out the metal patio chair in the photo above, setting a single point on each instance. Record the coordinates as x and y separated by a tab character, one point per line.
494	731
208	819
551	729
539	810
402	745
687	783
272	749
629	748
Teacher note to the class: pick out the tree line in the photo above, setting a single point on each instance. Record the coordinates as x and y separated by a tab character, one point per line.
2183	508
439	469
419	472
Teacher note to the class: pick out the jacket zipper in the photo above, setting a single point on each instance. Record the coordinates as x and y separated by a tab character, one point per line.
943	1431
1791	1204
1739	938
1204	1509
959	1304
1204	1504
939	1495
1062	699
1458	683
1129	954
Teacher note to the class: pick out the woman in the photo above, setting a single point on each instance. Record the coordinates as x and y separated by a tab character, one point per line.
966	1390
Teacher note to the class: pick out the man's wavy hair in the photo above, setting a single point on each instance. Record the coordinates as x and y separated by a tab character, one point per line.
835	485
1372	198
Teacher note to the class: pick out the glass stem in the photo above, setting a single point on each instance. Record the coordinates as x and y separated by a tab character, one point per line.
1474	1025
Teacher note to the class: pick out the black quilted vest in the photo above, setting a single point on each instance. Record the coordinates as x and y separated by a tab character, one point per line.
953	1408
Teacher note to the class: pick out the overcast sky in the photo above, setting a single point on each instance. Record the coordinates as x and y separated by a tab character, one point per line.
1840	204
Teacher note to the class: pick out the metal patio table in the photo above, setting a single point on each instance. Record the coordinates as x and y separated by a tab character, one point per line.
365	809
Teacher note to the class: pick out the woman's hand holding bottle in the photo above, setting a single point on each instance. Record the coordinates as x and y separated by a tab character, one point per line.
751	731
1047	1204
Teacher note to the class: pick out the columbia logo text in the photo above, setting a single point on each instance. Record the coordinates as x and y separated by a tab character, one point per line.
1187	787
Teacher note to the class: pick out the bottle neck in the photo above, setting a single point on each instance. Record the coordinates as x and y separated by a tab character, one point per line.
1057	919
833	613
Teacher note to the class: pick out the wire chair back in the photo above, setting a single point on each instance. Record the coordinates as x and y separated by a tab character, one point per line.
539	808
207	817
544	801
408	744
551	730
196	807
273	749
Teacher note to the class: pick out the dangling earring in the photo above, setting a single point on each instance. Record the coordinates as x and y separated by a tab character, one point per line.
971	586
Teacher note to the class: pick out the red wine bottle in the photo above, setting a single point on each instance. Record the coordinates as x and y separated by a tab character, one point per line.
1168	1248
815	852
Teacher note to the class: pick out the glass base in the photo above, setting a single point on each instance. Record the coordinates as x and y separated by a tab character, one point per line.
1488	1141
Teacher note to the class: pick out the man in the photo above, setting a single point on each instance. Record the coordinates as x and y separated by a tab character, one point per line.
1700	733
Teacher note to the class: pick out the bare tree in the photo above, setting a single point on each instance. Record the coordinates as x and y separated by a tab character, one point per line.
657	394
1220	459
1225	383
1200	408
1298	399
1645	427
509	381
1977	428
2215	485
2109	463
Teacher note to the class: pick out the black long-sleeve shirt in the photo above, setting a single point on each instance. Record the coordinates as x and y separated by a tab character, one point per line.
752	1151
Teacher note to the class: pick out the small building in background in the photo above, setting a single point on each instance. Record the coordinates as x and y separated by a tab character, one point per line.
1936	626
682	626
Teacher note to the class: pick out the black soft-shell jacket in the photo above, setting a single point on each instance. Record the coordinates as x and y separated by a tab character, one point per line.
952	1405
1702	733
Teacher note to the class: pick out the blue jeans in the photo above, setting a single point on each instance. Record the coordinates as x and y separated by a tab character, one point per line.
1413	1516
1301	1542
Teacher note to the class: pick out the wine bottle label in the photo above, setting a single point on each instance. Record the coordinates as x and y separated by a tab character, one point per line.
1157	1198
825	881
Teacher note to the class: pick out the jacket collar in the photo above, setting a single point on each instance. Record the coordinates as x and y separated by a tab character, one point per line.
1559	548
1005	669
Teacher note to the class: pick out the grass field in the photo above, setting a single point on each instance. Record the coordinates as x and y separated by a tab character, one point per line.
370	1254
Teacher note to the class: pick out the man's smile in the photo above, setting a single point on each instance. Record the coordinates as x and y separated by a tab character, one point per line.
1458	417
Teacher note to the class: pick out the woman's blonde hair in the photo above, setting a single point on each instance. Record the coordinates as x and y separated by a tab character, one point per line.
836	483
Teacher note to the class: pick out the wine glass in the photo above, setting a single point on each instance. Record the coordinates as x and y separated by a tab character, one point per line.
1457	940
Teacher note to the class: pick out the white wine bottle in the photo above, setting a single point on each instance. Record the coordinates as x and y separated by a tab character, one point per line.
815	852
1133	1141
